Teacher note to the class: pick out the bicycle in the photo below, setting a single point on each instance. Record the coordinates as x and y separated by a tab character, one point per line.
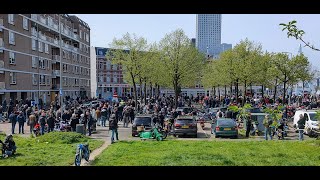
82	151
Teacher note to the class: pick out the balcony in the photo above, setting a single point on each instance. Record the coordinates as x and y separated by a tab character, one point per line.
1	66
34	16
41	36
55	73
56	41
2	85
56	58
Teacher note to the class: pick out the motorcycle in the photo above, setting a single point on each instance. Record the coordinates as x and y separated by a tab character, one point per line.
153	134
82	151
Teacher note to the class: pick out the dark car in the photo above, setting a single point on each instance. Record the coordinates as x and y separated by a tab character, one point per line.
225	127
185	125
139	121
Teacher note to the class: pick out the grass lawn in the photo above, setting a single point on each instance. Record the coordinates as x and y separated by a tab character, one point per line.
211	153
51	149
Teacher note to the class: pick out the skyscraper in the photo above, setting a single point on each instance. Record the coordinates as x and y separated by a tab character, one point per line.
208	33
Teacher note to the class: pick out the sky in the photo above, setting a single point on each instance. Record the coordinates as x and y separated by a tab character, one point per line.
261	28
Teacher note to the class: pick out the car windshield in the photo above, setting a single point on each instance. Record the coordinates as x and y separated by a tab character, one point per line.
226	123
313	116
184	121
143	120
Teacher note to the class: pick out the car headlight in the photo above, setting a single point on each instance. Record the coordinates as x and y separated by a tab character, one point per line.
314	124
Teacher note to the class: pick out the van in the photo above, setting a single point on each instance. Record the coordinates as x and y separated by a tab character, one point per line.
312	123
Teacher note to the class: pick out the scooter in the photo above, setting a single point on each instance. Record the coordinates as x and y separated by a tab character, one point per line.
153	134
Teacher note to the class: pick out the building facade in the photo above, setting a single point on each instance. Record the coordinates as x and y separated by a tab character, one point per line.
225	47
109	77
37	51
208	33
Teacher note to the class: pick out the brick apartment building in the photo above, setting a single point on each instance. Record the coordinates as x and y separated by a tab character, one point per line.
30	53
109	77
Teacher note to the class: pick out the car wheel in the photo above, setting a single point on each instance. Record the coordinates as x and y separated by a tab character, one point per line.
235	137
133	135
216	136
195	136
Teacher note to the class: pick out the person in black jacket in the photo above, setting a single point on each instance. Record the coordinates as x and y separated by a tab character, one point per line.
9	146
21	120
301	123
90	121
74	122
13	119
42	122
50	122
113	125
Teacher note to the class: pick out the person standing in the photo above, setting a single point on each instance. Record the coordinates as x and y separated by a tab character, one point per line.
21	119
13	119
98	115
74	122
301	123
104	115
42	122
267	122
248	124
50	122
32	122
113	125
90	121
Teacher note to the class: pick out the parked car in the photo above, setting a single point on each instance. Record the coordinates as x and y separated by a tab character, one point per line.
224	127
139	121
312	123
185	125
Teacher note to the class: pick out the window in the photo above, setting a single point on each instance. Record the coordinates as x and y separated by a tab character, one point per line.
11	19
13	78
12	59
42	80
41	63
80	34
115	79
11	38
87	37
34	79
25	23
63	53
114	67
46	48
34	62
40	48
108	79
34	44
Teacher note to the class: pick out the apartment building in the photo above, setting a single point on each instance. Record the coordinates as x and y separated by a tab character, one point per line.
109	77
37	50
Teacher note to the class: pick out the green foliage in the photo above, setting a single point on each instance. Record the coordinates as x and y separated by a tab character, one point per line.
295	32
211	153
275	113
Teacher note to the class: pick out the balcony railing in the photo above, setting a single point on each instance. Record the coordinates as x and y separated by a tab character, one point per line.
34	32
2	85
55	58
43	20
57	72
34	16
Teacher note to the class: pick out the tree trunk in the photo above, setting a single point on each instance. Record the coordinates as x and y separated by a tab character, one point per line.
141	96
158	88
231	90
225	90
134	90
237	91
145	91
284	92
291	93
214	91
245	90
219	92
251	92
151	90
275	91
262	91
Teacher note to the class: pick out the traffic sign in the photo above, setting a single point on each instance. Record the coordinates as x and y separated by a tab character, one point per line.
61	92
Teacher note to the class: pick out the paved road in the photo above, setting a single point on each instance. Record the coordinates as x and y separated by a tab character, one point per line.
125	133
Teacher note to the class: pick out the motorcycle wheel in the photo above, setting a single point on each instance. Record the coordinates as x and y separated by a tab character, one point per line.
159	138
77	160
87	155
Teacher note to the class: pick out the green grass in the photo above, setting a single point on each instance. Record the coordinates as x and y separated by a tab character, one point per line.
211	153
51	149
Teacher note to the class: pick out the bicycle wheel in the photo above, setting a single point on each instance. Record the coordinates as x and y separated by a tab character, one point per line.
87	155
77	161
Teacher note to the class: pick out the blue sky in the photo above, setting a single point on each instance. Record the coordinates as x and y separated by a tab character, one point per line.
262	28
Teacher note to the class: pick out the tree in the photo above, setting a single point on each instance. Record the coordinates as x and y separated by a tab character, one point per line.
129	51
182	61
295	32
290	70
